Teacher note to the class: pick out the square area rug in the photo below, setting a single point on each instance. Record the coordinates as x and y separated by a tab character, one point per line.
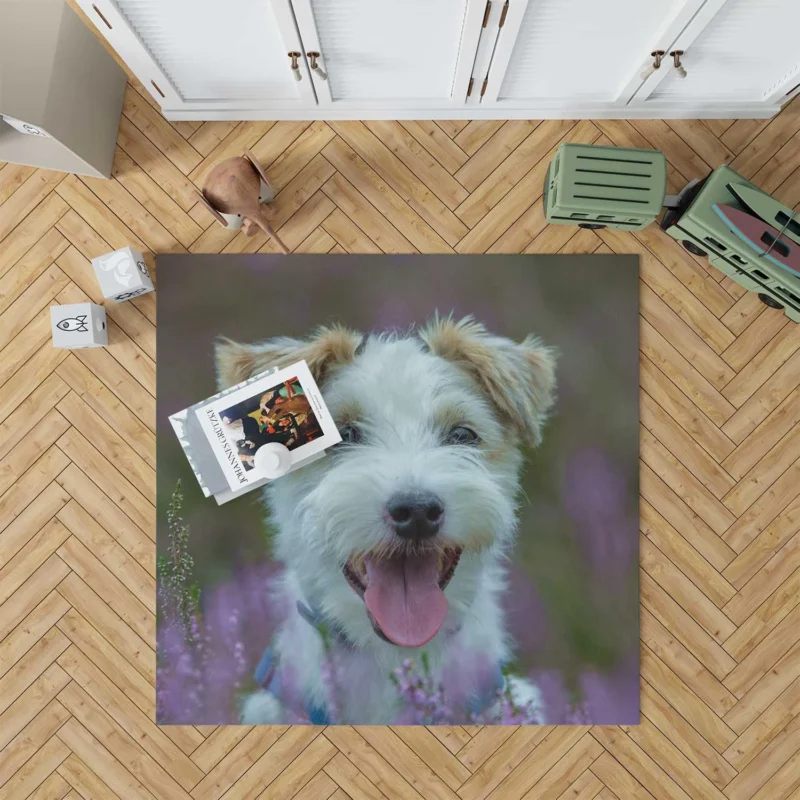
468	554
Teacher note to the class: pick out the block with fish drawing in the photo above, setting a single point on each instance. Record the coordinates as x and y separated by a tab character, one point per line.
78	325
122	275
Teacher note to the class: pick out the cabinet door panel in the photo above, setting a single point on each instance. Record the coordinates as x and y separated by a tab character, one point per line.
384	52
748	51
207	53
579	51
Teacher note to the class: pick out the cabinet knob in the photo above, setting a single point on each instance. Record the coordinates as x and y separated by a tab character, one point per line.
294	55
313	56
657	56
676	56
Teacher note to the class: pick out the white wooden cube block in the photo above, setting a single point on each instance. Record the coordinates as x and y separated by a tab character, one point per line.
78	325
122	274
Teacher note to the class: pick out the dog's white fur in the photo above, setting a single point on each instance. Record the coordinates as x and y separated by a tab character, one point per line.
405	393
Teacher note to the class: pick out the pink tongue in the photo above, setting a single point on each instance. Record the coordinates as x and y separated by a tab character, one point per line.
404	597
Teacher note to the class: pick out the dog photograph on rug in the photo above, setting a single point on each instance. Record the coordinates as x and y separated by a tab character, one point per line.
467	554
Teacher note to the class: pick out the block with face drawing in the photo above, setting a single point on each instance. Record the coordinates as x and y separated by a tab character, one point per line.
122	275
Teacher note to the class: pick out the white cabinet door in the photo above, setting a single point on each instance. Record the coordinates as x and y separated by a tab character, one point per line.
558	53
384	53
208	54
734	50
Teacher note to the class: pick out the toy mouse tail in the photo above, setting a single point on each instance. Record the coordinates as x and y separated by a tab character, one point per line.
268	229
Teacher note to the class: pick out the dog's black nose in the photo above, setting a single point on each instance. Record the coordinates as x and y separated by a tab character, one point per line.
415	515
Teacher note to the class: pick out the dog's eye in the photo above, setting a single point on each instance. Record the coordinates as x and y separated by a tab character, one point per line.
461	435
351	433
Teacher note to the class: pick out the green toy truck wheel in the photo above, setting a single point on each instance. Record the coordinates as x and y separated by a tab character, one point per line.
769	301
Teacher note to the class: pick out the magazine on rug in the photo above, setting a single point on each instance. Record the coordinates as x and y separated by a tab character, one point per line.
223	436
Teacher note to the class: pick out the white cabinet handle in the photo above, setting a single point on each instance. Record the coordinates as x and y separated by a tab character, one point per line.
294	55
313	56
657	56
676	56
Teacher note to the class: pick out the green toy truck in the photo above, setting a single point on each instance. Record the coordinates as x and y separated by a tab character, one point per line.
613	187
702	232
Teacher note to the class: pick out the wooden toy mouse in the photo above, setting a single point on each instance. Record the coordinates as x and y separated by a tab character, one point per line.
235	193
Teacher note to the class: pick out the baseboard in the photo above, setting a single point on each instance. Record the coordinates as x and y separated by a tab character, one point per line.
650	111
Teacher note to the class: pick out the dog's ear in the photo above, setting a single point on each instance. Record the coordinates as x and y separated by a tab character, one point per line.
518	377
323	351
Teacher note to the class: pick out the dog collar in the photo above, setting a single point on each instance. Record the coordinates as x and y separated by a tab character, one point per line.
315	618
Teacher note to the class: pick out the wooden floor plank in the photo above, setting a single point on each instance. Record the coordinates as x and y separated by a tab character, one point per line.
475	134
419	161
452	127
347	198
639	763
498	183
676	440
409	219
777	598
690	633
31	720
240	755
686	377
685	738
209	135
152	161
30	267
352	783
685	702
109	771
437	143
136	108
144	189
768	139
29	523
38	768
26	198
12	176
681	554
685	412
299	153
31	231
493	152
392	170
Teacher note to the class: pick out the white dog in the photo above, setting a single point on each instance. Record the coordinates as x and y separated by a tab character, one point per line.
395	542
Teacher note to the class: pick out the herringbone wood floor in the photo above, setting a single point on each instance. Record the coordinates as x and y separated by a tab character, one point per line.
720	469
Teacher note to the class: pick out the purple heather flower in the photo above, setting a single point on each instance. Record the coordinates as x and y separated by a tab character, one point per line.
612	698
594	495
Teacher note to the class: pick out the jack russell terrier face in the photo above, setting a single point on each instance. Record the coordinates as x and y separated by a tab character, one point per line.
390	533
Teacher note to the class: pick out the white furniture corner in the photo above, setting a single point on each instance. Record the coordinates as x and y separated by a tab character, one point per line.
56	76
458	59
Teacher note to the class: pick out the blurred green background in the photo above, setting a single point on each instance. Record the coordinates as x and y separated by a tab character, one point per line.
573	598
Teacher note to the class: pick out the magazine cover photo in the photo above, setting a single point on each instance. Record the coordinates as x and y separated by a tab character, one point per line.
281	414
462	549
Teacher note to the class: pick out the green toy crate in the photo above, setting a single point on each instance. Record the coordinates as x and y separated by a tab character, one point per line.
605	187
702	232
